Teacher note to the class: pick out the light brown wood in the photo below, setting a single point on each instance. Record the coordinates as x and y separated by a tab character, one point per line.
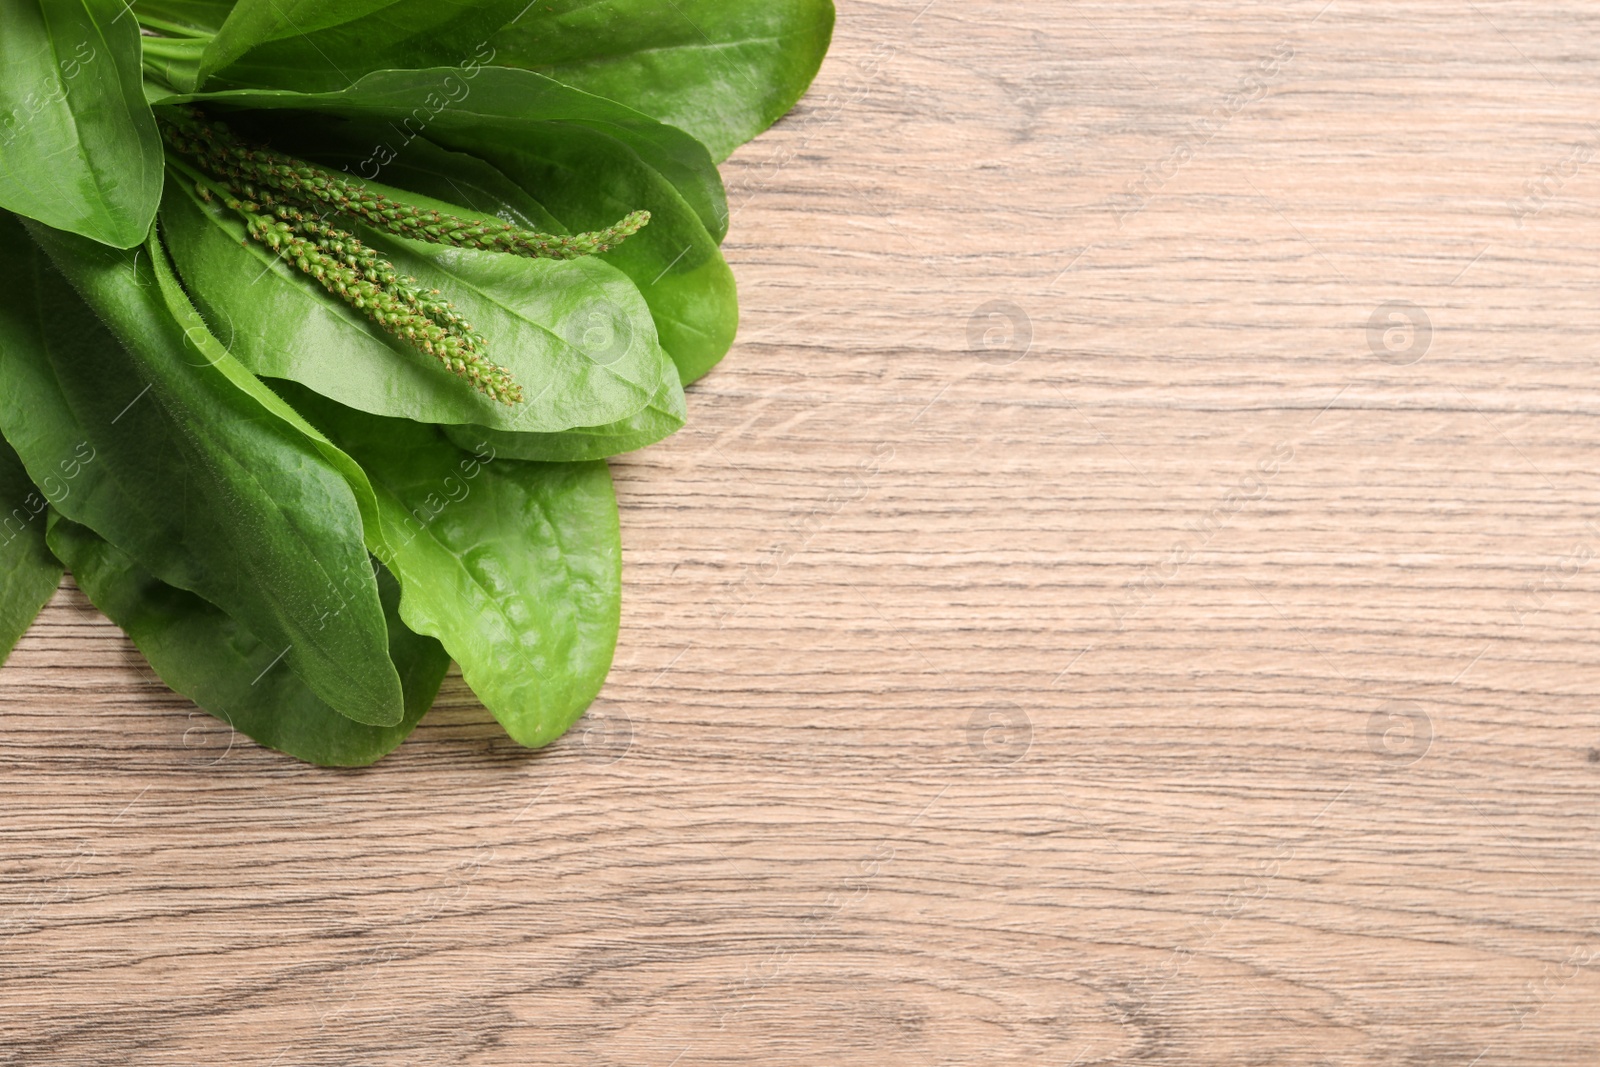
1213	682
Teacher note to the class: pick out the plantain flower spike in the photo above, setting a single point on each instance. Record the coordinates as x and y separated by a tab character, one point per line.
286	203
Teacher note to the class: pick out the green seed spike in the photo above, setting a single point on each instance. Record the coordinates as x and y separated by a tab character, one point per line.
214	147
345	267
399	310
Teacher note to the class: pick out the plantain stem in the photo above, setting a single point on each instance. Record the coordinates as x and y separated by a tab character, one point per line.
172	29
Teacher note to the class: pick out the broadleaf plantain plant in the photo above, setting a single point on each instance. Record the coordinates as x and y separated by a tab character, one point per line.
321	317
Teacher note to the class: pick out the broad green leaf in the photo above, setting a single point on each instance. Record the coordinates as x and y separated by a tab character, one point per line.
722	69
674	261
207	656
496	105
576	334
79	149
664	417
29	574
192	477
515	567
314	45
582	524
216	354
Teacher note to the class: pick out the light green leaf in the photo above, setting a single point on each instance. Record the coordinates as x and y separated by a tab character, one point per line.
29	574
79	149
516	567
674	261
207	656
191	476
664	416
722	69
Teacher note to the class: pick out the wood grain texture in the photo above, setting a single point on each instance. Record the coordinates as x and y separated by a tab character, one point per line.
1209	680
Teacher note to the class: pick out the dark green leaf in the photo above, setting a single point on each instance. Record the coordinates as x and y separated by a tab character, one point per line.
674	261
420	166
315	45
29	574
79	145
216	354
192	476
576	334
515	567
722	69
202	653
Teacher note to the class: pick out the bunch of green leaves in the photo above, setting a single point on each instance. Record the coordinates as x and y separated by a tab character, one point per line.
321	318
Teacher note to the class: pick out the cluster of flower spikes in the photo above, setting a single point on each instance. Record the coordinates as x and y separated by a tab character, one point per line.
366	281
284	201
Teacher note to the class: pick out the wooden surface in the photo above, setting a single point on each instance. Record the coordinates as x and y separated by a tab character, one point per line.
1210	679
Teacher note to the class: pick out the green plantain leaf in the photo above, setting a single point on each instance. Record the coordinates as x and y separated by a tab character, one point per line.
664	417
515	567
79	149
576	334
29	574
315	45
214	352
207	656
674	261
192	476
722	69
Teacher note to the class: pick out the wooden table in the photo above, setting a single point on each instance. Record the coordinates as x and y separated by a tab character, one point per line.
1131	595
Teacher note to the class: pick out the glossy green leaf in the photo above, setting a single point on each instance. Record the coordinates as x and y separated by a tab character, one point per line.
516	567
674	261
29	574
576	334
215	353
316	45
202	653
664	417
722	69
193	477
79	149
